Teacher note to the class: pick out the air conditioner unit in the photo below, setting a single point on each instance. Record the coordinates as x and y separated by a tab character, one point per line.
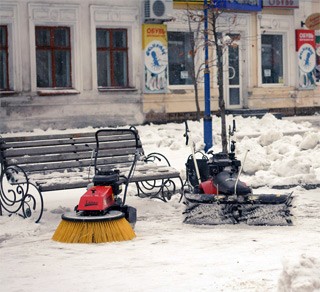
158	10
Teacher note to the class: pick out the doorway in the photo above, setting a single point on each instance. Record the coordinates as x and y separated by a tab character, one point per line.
233	73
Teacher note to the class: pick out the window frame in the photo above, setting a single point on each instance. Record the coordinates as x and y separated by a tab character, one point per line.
177	86
6	49
103	16
9	17
41	14
278	25
282	55
52	48
111	49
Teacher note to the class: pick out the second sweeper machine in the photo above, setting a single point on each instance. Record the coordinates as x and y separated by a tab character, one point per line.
216	195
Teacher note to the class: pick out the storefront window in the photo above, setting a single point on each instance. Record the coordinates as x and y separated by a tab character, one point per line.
180	58
272	58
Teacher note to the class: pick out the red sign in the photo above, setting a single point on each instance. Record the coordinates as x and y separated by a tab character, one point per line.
305	36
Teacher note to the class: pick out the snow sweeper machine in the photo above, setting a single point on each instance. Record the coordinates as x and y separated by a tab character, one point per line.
101	214
216	195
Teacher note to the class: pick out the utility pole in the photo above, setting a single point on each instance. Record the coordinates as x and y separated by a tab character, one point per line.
207	119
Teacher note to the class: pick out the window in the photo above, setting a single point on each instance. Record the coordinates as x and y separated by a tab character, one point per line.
180	58
53	57
272	58
112	57
4	72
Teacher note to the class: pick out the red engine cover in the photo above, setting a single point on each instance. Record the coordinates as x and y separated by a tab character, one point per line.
208	187
97	198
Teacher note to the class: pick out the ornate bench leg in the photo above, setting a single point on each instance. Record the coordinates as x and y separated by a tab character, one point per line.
162	189
18	194
150	189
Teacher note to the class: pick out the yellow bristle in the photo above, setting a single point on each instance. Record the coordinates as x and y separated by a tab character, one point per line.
93	232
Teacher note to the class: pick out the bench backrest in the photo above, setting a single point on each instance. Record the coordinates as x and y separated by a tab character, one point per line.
71	151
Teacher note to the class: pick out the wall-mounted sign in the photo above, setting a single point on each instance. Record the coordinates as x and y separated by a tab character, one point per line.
288	4
155	48
305	36
305	46
189	1
242	5
313	21
317	70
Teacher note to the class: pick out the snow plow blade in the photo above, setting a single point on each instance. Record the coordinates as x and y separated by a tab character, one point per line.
262	209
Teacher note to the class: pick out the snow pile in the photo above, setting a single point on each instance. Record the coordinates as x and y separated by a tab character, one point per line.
310	141
269	137
303	276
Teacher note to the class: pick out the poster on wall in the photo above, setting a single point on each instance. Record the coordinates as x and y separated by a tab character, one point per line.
317	69
155	48
305	46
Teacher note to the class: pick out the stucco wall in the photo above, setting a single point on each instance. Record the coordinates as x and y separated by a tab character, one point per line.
25	107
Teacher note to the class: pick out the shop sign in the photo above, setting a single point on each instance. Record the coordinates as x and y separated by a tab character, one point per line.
155	48
313	21
288	4
305	45
242	5
305	36
190	1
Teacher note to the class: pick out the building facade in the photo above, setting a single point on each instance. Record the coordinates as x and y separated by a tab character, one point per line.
70	64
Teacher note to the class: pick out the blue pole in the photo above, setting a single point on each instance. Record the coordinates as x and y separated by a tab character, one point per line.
207	119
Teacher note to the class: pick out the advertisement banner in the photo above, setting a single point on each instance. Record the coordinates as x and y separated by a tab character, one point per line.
241	5
305	46
155	48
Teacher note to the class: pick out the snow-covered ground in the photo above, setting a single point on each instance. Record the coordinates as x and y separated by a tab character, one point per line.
168	255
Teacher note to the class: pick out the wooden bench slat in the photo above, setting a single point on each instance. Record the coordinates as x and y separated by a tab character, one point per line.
44	143
73	135
63	165
67	156
15	152
79	181
64	141
48	158
47	137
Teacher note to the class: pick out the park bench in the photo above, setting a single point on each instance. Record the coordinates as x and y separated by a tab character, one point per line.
70	160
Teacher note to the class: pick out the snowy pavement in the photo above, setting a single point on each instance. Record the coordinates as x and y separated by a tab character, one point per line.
168	255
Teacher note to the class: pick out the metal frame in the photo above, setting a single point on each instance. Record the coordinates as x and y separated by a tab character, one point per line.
162	189
18	195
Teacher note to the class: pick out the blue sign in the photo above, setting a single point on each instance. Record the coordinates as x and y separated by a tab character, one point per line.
243	5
